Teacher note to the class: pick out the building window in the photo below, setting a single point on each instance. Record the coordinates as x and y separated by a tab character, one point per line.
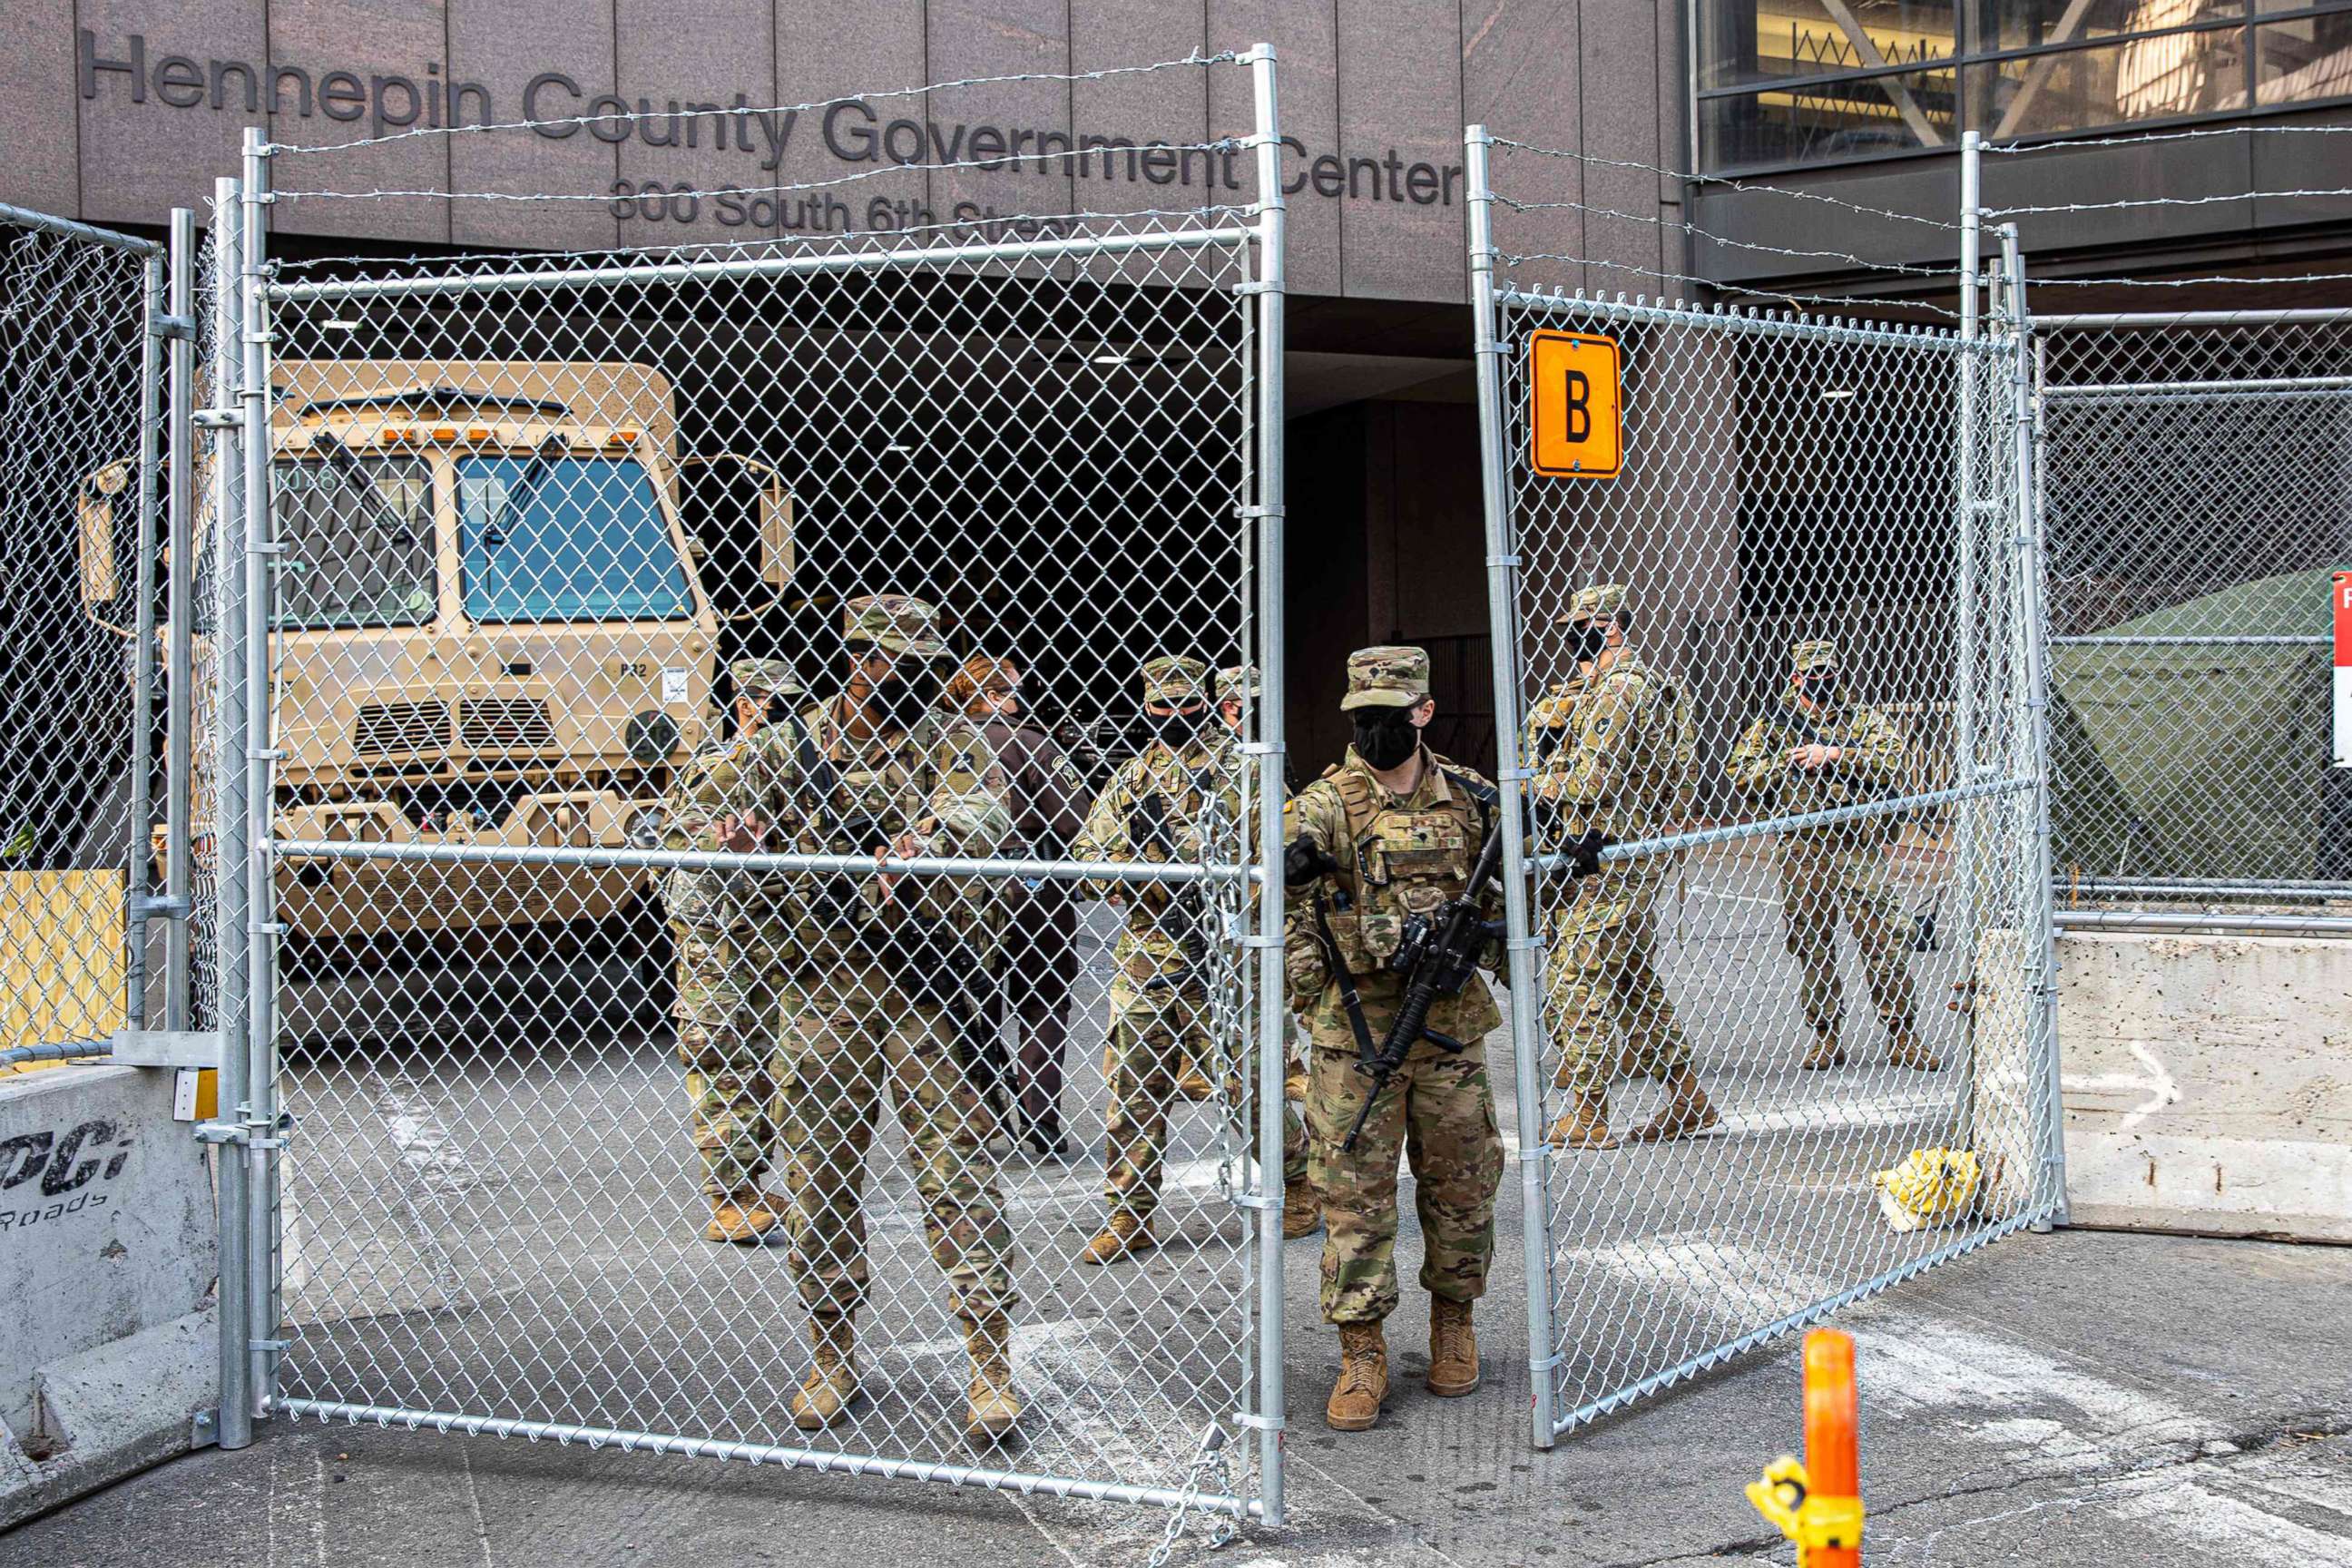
1807	82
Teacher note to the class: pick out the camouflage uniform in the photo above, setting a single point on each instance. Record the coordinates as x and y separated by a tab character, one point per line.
1158	1002
1395	855
729	934
1622	765
1841	870
842	786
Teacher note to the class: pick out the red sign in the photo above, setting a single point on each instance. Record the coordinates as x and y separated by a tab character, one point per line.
2342	603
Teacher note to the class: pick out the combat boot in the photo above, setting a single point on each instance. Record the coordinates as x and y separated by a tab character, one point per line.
1452	1349
1586	1125
1826	1052
1302	1212
1904	1050
1687	1114
1363	1382
825	1395
1126	1233
743	1217
992	1406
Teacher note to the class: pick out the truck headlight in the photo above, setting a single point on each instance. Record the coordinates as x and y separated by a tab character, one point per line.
652	737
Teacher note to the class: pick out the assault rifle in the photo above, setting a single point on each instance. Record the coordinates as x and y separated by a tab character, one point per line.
1438	952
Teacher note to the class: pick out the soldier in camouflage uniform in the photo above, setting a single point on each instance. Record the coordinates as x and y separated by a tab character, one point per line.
1620	767
1178	799
1813	750
1392	831
876	962
729	936
1237	687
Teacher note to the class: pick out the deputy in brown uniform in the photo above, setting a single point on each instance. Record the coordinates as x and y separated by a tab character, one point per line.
1817	750
1041	955
1394	829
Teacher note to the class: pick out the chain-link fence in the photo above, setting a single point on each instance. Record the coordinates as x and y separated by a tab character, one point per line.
80	455
1772	635
2197	494
718	1017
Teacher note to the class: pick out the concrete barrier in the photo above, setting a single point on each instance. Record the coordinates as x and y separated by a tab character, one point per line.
108	1259
2208	1083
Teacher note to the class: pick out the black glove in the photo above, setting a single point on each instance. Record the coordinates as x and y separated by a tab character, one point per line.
1583	851
1304	861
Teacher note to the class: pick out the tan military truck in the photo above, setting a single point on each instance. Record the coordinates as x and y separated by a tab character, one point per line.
494	627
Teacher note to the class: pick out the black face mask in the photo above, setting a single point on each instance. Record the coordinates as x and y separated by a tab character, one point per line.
1819	687
898	700
1176	730
778	710
1386	737
1589	641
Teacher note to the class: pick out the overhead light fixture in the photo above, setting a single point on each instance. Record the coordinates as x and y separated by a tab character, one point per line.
340	324
898	448
1109	356
1836	393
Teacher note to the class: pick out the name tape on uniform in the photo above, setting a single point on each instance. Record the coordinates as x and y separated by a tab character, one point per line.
1578	404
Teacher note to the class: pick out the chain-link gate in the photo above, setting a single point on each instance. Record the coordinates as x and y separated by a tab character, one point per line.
1774	633
663	870
81	324
2197	493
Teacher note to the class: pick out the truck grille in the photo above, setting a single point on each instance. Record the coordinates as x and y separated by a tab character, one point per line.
395	729
505	724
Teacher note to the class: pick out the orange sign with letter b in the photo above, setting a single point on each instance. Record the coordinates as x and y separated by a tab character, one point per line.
1576	401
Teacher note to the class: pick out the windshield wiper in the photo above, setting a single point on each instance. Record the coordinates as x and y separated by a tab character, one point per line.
542	463
343	459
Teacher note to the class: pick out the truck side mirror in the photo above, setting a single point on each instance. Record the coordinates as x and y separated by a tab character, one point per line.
101	578
775	533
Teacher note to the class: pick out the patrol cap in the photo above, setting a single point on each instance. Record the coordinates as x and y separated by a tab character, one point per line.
1175	681
1593	602
1386	677
896	622
764	678
1814	653
1237	682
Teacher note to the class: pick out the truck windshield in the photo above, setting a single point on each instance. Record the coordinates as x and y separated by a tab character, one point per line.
565	539
357	532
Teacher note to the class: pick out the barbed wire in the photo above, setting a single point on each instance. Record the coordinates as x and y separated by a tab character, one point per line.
1227	57
1225	144
689	247
2012	148
1688	227
2031	282
1588	158
1845	302
2245	195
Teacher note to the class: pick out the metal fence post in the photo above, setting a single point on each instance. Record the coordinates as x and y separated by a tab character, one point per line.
1274	1022
1964	598
1502	612
139	878
261	1072
179	772
2033	622
232	829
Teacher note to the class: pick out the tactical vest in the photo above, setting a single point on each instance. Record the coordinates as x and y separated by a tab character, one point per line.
1401	861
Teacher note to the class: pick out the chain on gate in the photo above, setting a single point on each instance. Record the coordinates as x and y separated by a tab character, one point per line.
1774	633
738	710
